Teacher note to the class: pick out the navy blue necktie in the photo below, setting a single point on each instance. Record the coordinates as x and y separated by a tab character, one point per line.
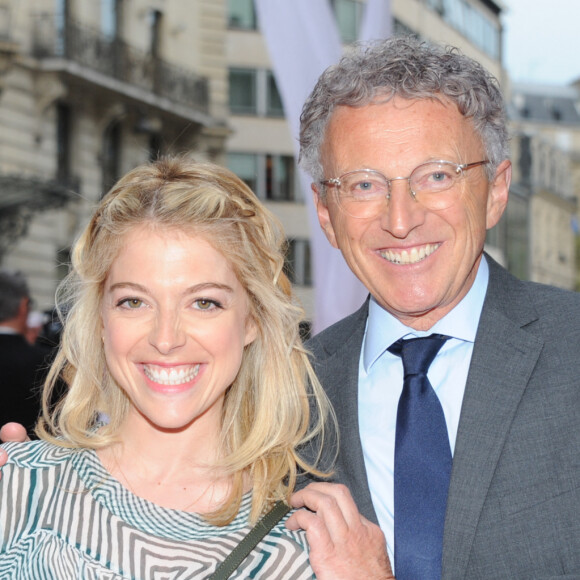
422	464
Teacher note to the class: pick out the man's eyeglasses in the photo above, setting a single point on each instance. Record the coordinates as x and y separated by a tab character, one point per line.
360	193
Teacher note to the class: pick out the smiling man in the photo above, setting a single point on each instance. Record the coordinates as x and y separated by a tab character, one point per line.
456	386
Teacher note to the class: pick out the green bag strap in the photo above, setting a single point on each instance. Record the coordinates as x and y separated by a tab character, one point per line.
240	552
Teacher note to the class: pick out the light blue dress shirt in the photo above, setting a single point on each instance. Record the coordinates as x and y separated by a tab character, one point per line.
381	384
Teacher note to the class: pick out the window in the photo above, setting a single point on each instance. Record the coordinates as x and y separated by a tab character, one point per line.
241	14
155	146
298	267
516	220
63	142
111	18
62	22
348	17
280	173
270	177
254	92
245	166
111	155
155	18
5	28
243	98
525	160
472	23
274	102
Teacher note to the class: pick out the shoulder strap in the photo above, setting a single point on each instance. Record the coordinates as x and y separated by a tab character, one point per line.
240	552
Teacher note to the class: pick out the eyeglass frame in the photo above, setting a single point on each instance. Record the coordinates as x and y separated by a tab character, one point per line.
460	168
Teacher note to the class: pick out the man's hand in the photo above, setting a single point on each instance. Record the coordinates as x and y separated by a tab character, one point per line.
343	544
13	432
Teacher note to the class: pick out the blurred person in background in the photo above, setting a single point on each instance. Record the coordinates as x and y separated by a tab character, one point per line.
22	364
34	323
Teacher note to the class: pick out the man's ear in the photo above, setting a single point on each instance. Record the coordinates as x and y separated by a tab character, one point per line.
324	215
498	193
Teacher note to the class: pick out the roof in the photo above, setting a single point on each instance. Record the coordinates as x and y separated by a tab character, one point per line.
545	103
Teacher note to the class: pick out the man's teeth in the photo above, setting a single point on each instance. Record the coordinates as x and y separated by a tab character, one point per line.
171	375
409	256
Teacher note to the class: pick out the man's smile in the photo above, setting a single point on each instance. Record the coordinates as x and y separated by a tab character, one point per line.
411	256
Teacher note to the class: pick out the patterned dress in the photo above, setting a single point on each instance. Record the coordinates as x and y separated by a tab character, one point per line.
62	516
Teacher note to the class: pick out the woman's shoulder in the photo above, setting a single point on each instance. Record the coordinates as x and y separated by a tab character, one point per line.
298	538
35	454
291	552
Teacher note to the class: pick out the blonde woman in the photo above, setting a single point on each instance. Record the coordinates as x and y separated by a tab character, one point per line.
182	331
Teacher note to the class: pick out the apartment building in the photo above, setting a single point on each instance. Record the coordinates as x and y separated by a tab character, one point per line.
88	90
91	88
542	227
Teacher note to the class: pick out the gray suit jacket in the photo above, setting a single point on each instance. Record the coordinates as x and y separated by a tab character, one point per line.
513	510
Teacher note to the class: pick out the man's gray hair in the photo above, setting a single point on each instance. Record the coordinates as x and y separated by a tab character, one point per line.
13	288
406	67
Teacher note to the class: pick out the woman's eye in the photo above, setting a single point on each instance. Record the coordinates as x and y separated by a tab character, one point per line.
206	304
131	303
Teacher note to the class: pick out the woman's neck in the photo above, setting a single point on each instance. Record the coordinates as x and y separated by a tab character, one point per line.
176	470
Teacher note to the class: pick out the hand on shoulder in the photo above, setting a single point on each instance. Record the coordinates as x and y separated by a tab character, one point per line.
10	432
13	432
343	543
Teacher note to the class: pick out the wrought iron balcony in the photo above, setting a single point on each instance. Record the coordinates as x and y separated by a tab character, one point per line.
21	198
114	58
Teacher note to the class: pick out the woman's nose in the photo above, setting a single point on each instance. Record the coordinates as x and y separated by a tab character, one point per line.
167	332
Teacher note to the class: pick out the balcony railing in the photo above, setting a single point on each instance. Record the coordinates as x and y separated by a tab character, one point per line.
112	57
24	197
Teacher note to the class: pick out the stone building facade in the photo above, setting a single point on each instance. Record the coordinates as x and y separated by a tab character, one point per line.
88	90
91	88
543	229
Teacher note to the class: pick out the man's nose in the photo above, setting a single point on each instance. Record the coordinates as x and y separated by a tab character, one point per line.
402	212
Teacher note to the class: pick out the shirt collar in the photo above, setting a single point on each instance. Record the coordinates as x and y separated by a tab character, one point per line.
383	328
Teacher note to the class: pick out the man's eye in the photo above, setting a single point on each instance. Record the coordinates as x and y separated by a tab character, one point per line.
434	180
365	187
440	176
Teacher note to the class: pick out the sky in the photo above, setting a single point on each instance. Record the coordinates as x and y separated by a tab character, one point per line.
542	40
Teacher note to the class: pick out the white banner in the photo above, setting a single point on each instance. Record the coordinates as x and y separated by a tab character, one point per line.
377	21
303	40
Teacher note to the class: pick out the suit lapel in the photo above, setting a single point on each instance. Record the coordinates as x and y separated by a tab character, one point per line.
503	359
338	373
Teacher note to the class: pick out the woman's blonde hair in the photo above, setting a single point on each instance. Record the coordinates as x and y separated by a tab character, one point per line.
274	405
